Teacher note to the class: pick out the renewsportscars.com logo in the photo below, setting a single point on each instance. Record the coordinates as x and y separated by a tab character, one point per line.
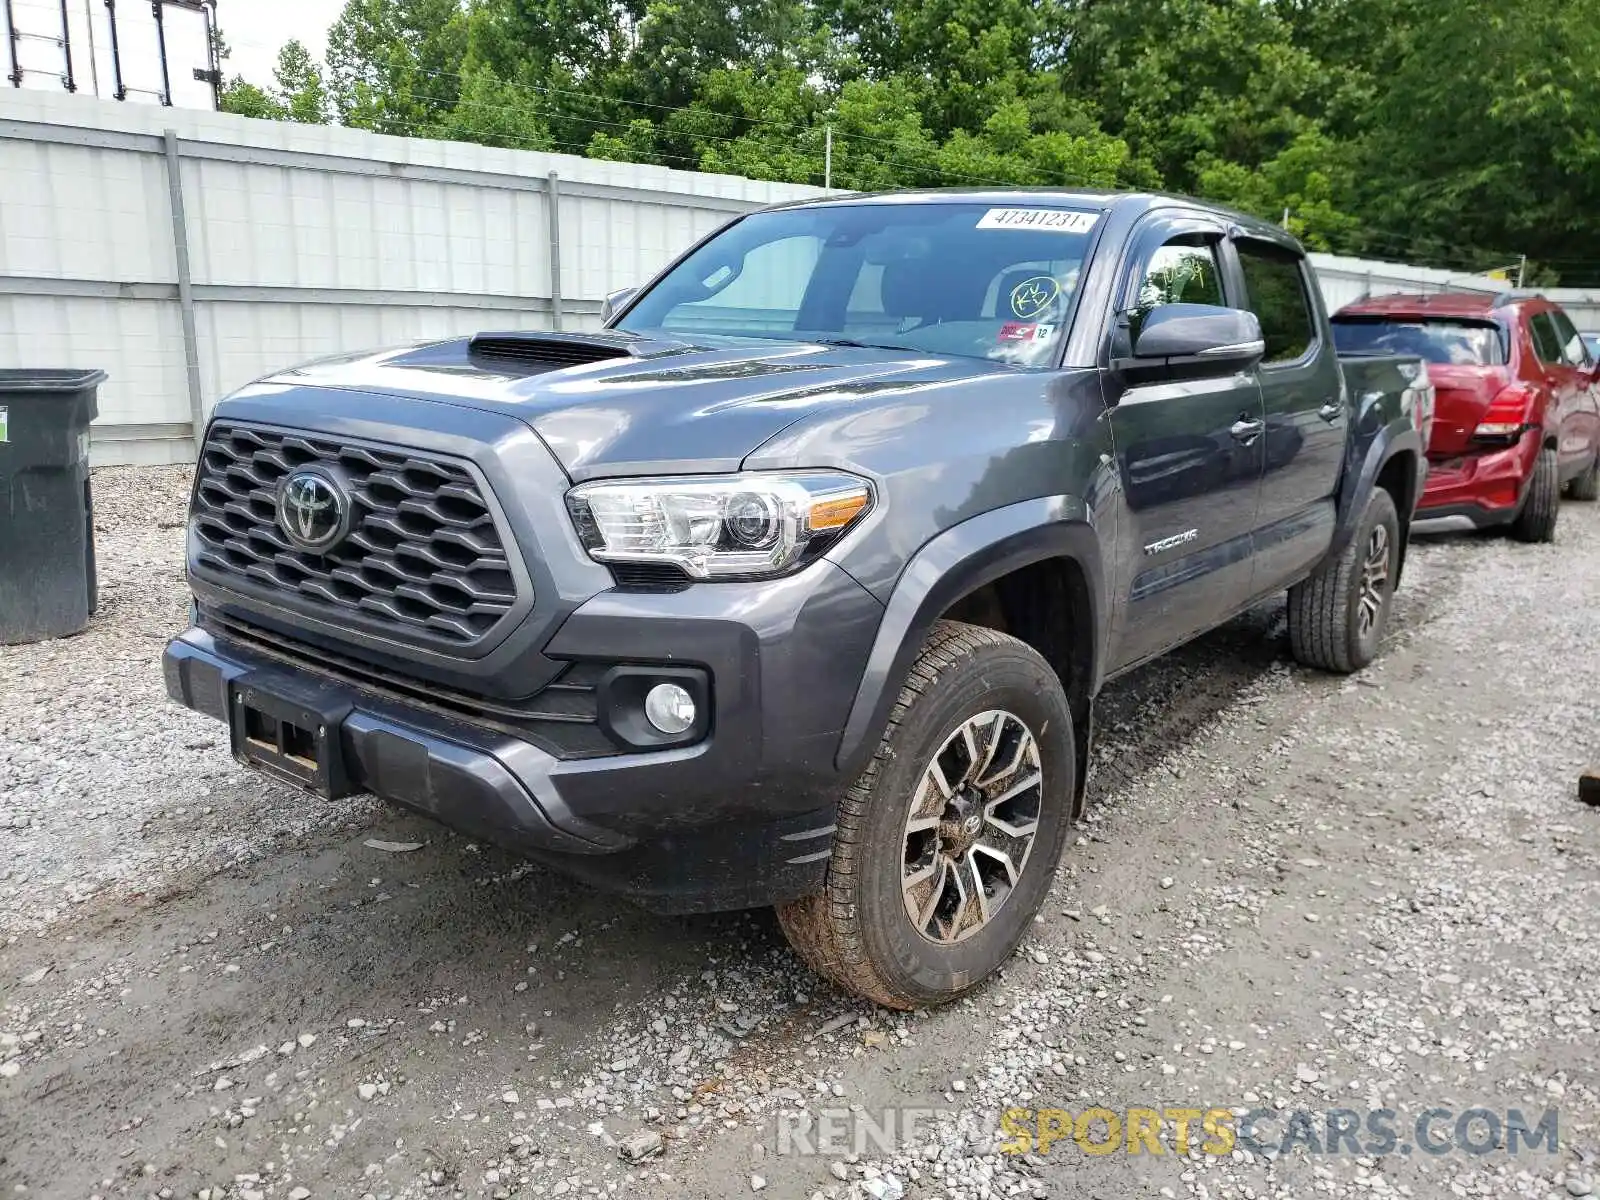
1334	1131
1169	1129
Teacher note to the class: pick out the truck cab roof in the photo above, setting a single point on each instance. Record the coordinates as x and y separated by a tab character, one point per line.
1129	205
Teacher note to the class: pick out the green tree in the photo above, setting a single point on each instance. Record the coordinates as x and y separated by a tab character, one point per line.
395	66
964	57
492	112
1305	185
636	142
1219	78
681	44
1487	147
247	100
300	89
299	94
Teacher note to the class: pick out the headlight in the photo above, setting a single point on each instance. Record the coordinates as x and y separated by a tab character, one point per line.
719	526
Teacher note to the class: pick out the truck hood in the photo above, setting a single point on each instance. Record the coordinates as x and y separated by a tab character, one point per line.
639	405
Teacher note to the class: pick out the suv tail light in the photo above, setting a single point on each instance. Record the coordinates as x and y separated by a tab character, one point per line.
1506	418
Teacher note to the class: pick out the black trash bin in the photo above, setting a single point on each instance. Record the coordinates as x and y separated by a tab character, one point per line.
47	573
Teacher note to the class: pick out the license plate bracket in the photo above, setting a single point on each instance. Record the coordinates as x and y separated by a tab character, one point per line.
290	732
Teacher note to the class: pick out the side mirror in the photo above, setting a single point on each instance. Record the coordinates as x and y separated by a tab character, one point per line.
1198	339
613	303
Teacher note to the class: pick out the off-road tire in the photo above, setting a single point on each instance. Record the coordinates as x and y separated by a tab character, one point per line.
1542	505
1587	485
857	933
1324	625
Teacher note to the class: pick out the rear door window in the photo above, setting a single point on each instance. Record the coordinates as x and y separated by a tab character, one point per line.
1445	342
1546	341
1573	351
1277	286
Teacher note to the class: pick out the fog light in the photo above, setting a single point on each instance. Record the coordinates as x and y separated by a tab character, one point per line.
669	708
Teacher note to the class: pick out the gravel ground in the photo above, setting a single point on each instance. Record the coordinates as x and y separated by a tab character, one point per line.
1293	892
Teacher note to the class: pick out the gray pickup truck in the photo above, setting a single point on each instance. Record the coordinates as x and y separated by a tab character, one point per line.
795	584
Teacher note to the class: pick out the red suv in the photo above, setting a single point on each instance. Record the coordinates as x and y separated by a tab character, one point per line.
1518	409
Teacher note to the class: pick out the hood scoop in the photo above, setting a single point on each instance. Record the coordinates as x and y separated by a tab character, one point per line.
552	350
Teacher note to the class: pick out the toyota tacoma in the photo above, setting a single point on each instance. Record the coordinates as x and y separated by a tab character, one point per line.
795	583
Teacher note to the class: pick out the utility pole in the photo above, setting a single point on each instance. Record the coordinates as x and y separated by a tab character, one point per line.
1522	268
827	159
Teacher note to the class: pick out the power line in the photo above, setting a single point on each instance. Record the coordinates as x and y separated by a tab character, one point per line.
539	142
758	122
464	115
520	86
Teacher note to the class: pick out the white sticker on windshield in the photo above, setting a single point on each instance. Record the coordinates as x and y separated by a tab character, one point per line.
1056	220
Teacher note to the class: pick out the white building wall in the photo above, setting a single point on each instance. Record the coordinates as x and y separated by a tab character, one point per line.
1345	280
302	241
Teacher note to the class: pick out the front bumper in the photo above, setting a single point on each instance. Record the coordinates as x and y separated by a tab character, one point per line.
742	818
1487	488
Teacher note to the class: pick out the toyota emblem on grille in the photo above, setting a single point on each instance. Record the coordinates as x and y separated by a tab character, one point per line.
313	511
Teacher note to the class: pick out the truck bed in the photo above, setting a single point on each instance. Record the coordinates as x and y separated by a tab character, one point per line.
1379	380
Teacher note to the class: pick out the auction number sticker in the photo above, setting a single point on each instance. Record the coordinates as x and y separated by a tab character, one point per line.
1055	220
5	428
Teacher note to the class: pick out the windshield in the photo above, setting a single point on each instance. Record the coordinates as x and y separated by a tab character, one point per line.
1446	342
971	280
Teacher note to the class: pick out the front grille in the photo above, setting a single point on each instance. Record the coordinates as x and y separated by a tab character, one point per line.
424	556
561	718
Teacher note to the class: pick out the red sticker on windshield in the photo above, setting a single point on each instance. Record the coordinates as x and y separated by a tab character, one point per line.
1023	331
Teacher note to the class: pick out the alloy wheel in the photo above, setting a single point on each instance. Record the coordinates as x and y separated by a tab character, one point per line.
971	826
1374	581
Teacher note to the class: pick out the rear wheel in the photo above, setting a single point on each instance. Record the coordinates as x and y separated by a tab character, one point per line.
947	843
1587	485
1337	617
1542	505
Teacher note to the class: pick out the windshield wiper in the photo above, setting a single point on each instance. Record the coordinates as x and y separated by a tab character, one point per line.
853	344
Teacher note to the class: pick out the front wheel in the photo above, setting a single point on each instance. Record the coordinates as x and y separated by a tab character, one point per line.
947	843
1337	617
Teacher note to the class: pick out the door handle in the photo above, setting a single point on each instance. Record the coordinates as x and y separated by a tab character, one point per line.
1246	431
1330	412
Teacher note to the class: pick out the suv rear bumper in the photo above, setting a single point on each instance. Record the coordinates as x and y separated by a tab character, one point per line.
1486	488
741	818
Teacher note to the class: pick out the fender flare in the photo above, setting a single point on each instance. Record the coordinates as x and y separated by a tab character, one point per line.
1395	438
956	562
